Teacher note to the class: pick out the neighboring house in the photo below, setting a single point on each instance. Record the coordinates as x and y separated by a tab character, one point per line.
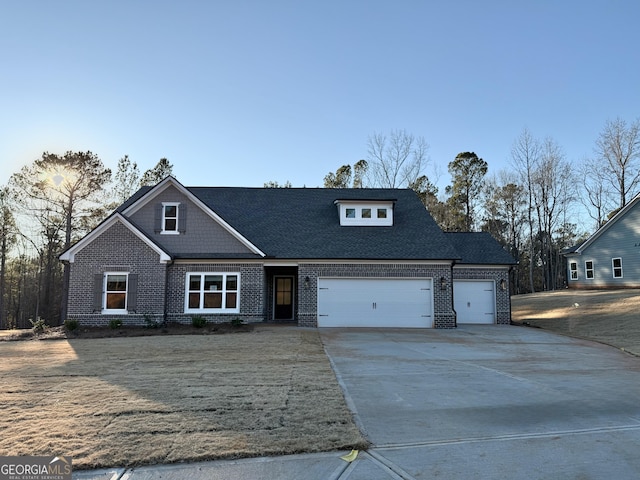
610	258
311	256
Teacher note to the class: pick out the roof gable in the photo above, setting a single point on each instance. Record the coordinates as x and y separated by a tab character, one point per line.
578	250
69	254
147	195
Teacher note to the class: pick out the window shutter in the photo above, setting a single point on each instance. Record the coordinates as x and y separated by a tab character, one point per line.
182	218
98	283
132	293
158	219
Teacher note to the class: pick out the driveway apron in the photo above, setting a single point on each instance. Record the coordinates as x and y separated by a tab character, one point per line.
490	402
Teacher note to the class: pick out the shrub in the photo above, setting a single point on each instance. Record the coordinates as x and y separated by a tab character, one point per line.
39	325
236	322
71	325
198	321
115	323
151	322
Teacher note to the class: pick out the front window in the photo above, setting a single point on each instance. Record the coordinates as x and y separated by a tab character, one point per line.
212	292
588	268
350	213
617	267
115	292
366	213
573	267
170	218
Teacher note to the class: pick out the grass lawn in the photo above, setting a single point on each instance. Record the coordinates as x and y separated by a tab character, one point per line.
117	402
607	316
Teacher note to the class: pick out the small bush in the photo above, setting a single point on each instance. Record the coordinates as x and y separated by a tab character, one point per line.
198	321
151	322
115	323
236	322
39	325
71	325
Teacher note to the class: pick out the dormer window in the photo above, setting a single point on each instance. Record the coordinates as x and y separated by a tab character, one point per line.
365	212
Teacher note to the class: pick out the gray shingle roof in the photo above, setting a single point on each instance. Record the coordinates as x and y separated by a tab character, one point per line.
303	223
479	248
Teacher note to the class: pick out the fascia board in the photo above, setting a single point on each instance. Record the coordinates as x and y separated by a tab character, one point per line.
69	255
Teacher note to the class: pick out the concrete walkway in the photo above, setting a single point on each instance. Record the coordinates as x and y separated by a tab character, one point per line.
476	402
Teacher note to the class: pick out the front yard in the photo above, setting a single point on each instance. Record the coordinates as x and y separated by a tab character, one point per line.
607	316
117	402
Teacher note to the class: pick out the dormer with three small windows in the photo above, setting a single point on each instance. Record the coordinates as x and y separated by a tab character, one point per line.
365	213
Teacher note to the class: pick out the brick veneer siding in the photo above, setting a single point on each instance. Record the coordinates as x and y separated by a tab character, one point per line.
444	316
252	292
503	300
133	256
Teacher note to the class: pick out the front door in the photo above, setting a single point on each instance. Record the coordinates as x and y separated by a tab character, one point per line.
283	298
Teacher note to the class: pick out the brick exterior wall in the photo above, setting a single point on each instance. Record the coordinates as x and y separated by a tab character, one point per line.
444	316
252	292
503	299
131	255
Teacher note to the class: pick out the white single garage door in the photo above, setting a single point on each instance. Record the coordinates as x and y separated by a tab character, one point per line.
375	302
474	301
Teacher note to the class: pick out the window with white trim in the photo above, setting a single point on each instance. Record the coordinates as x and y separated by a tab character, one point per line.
588	269
212	293
365	213
573	268
616	264
115	292
170	217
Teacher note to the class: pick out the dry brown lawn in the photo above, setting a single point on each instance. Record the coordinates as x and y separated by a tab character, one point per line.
607	316
129	401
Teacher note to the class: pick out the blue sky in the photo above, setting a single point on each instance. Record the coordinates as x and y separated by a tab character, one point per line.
241	92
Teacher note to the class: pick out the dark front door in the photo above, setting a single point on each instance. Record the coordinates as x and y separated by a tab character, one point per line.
283	298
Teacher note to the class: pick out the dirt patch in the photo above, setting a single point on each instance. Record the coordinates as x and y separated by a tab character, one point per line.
62	333
607	316
118	402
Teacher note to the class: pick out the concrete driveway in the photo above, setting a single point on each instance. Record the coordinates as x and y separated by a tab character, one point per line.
489	402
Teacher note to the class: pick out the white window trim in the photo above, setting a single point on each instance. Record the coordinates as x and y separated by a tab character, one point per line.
359	220
114	311
573	272
164	231
224	291
613	268
592	269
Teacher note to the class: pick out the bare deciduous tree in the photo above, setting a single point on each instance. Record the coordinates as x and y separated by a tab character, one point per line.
596	194
618	152
396	160
525	154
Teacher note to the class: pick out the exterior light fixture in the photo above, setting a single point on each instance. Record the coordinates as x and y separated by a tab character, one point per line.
443	283
306	282
503	285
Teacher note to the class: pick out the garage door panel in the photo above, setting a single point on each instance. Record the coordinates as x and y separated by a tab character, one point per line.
348	302
474	301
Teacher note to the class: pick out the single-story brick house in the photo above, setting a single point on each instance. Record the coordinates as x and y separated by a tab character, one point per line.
315	257
610	258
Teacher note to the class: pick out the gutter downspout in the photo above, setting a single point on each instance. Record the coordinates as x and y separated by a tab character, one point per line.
452	300
165	313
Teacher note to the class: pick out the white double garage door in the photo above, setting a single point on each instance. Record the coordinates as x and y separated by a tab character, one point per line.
399	302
